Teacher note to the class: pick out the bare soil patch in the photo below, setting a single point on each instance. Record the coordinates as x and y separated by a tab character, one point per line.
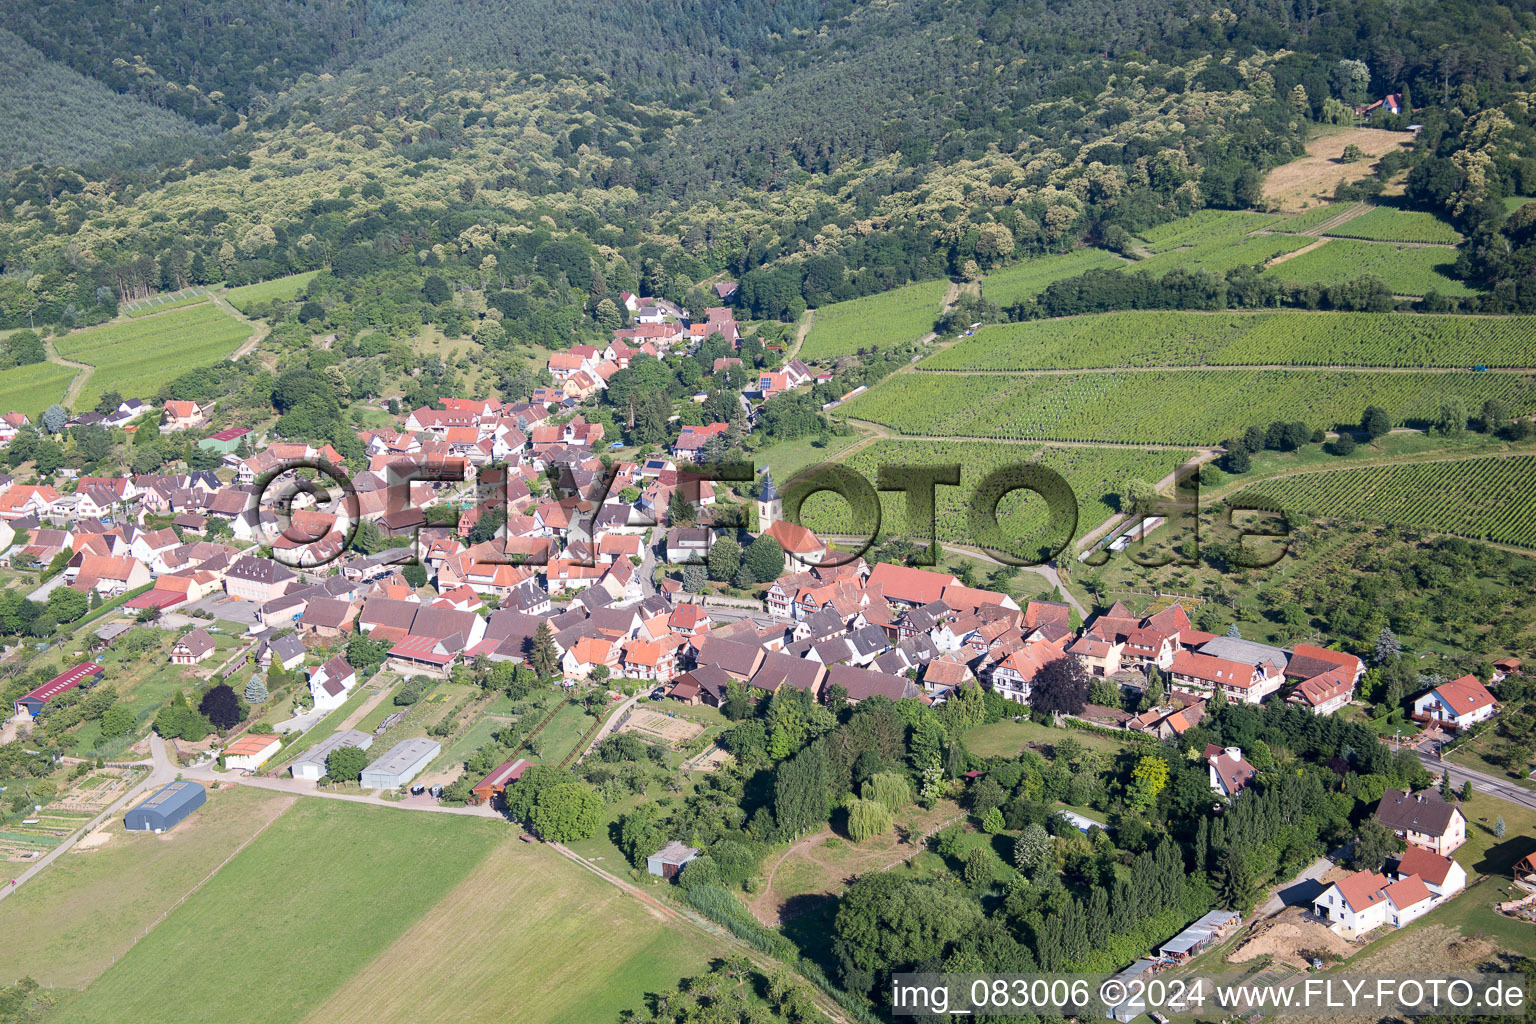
1291	937
675	731
1303	182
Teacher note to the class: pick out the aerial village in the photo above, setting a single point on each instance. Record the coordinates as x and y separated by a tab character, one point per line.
509	536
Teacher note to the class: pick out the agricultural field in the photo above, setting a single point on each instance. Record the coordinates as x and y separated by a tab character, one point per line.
1183	407
1408	270
1204	227
33	388
1490	499
1156	338
265	291
1385	224
1223	254
139	356
1097	476
583	951
66	926
1309	219
298	932
883	320
1025	280
165	302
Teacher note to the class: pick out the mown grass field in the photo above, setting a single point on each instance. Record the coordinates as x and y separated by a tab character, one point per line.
326	889
1235	338
1185	407
66	925
1407	269
1097	476
1028	279
883	320
526	936
137	357
1487	499
33	388
266	291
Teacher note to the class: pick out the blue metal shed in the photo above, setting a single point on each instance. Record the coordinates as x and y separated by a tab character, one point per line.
166	807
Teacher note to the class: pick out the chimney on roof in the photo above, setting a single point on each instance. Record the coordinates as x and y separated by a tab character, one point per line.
1235	753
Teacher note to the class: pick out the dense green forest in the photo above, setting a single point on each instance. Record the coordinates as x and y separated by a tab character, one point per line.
540	159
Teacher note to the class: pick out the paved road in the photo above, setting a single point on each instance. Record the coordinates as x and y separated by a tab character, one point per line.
304	787
1501	789
162	771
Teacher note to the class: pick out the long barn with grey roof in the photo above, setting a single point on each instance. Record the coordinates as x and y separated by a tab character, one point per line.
312	764
401	763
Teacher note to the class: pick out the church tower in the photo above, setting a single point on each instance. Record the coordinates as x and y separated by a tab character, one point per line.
770	507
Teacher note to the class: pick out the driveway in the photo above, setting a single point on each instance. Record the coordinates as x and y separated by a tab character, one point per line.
612	722
1299	891
42	592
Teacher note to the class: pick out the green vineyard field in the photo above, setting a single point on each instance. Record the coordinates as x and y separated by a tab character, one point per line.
1408	270
1184	407
1487	499
1384	224
33	388
136	358
244	297
1223	254
1028	279
884	320
1203	227
1244	339
1098	477
1306	220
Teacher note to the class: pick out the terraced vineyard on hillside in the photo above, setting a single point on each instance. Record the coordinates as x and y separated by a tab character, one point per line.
137	357
1158	338
33	388
883	320
1407	269
1028	279
1098	477
1183	407
1384	224
1488	499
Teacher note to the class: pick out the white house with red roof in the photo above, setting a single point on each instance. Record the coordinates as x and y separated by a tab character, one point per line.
1230	773
332	683
903	585
691	441
1203	674
1443	875
1324	694
1365	901
1458	703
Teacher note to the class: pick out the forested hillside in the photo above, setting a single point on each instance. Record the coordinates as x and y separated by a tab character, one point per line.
816	151
52	115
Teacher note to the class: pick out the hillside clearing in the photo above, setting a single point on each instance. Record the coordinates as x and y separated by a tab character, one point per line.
1294	186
